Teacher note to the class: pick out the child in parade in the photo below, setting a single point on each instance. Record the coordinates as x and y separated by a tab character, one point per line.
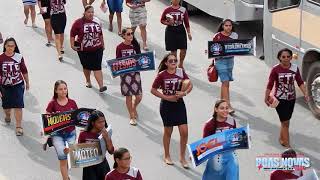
122	169
131	82
14	80
286	174
96	127
44	6
115	6
138	17
224	65
222	166
176	19
88	31
61	103
29	8
175	84
282	78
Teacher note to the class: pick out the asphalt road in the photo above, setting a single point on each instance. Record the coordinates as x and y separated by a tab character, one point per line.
22	158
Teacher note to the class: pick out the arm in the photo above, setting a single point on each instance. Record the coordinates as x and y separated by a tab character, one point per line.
301	85
164	19
26	79
107	139
272	79
158	94
131	5
187	25
73	33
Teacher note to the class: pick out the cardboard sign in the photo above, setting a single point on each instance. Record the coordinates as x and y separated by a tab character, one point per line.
227	140
234	47
85	154
57	121
135	63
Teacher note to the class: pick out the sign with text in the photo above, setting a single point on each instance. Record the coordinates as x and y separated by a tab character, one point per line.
135	63
234	47
227	140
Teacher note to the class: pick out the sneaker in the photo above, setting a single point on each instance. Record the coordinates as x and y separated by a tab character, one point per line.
88	85
133	122
102	89
48	44
60	58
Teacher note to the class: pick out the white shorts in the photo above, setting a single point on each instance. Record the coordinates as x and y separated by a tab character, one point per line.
138	16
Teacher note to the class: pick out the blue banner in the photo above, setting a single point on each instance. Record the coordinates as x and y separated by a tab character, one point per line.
234	47
227	140
135	63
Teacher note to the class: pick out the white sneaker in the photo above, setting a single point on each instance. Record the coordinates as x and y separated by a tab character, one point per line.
133	122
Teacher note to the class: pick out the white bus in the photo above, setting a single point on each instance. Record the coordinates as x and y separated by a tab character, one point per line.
236	10
295	24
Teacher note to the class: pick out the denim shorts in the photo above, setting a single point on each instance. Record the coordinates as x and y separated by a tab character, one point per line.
115	5
59	140
224	68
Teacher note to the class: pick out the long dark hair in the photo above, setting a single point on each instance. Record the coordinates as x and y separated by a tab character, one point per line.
214	116
16	49
289	153
118	154
220	28
134	42
94	116
162	65
56	84
283	50
86	9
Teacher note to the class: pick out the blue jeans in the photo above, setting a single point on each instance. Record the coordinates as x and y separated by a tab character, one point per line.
222	167
59	140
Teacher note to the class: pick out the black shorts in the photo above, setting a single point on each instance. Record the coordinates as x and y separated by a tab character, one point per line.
175	38
46	15
12	96
173	113
285	109
96	172
91	60
58	23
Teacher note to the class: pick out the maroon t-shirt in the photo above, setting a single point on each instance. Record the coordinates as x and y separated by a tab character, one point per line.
124	50
57	6
211	126
55	107
220	37
132	174
170	83
11	69
88	32
180	16
284	78
281	175
88	137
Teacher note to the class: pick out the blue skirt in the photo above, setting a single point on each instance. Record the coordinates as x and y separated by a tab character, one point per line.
12	96
222	167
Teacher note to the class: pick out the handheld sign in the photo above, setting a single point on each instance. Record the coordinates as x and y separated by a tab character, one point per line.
233	47
227	140
135	63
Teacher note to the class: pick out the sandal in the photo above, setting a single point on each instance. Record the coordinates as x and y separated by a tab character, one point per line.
19	131
184	165
282	143
168	162
88	85
146	48
7	120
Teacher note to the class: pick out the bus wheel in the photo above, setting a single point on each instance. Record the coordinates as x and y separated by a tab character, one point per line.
313	88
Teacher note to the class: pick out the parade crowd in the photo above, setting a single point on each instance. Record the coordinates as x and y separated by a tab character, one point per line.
171	85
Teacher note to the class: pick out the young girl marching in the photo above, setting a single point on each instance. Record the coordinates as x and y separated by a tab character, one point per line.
96	126
222	166
175	84
131	82
282	78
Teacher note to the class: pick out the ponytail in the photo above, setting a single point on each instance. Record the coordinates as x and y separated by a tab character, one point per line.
118	154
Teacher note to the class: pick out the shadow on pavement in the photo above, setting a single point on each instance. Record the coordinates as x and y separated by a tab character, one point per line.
31	103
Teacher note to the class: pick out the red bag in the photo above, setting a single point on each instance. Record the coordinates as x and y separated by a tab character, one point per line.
212	73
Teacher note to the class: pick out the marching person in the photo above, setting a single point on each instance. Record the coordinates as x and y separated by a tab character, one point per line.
58	23
14	79
224	65
122	169
115	6
44	6
87	39
138	17
176	19
96	127
130	84
175	84
222	166
61	103
29	8
282	78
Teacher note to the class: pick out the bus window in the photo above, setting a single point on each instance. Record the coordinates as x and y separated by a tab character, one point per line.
283	4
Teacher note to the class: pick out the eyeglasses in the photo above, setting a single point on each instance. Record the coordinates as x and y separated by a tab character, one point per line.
127	158
129	34
171	61
285	56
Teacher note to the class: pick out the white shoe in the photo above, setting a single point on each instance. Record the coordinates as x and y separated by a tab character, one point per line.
133	122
